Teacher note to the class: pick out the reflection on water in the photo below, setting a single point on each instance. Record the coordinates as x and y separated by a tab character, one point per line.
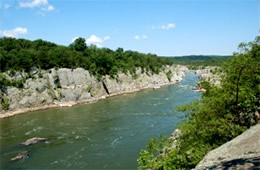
107	134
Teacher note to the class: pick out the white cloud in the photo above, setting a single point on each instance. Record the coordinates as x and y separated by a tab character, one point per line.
168	26
106	38
73	39
48	8
33	3
95	40
14	32
42	4
163	27
144	37
139	37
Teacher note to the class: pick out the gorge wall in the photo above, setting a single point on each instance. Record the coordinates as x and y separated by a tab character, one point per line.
59	86
210	74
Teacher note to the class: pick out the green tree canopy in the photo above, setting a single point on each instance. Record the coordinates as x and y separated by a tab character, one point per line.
220	115
79	44
21	54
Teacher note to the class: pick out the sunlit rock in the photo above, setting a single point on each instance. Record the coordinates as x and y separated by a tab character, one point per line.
20	156
33	141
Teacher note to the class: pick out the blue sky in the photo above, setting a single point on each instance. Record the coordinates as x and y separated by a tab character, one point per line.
162	27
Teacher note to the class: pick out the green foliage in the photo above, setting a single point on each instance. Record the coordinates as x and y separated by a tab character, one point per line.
57	81
169	75
5	103
51	91
79	44
89	90
40	75
60	95
220	115
199	61
154	147
5	82
21	54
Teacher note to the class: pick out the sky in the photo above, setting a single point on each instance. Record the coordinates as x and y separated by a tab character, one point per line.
162	27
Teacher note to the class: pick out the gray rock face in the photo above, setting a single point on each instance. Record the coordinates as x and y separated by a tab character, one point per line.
207	74
243	152
127	82
38	84
62	85
65	77
69	77
80	76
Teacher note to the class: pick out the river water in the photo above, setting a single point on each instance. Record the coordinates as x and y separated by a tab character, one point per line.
108	134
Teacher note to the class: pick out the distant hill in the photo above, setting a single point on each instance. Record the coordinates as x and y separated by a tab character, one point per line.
195	61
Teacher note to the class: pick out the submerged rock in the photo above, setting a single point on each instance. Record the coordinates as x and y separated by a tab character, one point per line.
33	141
20	156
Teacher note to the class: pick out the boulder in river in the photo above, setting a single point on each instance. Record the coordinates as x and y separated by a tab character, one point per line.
33	141
20	156
198	88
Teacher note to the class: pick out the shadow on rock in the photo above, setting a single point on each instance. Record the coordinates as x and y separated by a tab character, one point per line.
243	163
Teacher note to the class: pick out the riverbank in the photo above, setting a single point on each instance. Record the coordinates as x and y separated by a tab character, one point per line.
72	103
94	135
91	89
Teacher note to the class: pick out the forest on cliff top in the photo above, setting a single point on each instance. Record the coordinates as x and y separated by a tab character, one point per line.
22	54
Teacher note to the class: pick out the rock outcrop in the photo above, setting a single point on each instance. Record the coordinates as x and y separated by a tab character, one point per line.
173	142
209	74
33	141
243	152
58	86
20	156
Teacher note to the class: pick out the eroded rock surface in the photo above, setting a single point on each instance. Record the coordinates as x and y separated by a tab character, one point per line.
243	152
210	74
56	86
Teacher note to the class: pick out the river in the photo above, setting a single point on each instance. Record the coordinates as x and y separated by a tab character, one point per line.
108	134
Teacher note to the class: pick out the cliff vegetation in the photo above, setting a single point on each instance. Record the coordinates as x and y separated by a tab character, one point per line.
223	112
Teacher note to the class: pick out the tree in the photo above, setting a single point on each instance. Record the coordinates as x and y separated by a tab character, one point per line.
220	115
242	80
21	54
80	44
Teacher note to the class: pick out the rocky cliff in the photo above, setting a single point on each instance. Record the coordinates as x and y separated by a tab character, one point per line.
210	74
243	152
58	86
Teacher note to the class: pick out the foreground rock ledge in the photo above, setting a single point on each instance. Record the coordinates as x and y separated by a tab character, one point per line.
243	152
